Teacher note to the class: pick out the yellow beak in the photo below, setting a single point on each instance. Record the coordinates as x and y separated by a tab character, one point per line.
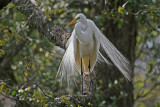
73	21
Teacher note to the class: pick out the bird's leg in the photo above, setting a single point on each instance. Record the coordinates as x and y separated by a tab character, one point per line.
91	80
81	76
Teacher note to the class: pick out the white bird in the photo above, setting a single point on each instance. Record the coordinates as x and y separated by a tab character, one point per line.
83	49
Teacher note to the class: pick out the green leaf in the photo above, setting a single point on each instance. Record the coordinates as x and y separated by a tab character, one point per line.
11	5
141	105
139	85
154	33
145	91
14	93
158	104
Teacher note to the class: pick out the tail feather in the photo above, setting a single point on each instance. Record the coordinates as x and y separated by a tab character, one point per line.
101	58
116	57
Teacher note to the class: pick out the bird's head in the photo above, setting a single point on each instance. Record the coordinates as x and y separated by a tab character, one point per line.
79	18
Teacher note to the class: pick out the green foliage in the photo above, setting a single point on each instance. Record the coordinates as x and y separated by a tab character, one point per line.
147	53
141	105
37	61
2	52
158	104
65	100
2	86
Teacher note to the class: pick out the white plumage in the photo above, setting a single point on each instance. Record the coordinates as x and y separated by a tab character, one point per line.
84	43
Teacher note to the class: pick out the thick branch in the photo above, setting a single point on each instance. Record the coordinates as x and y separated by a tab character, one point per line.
45	27
82	100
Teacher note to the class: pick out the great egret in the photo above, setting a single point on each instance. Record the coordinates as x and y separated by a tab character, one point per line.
83	52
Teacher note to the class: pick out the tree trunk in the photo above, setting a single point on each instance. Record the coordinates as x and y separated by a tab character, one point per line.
121	93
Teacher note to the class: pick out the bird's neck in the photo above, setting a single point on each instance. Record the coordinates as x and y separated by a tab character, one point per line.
81	32
84	25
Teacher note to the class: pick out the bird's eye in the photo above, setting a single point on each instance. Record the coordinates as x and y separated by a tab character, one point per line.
78	18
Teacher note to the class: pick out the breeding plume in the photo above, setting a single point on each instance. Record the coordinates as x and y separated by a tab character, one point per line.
83	51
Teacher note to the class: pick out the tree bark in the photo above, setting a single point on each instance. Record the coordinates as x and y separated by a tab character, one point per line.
37	20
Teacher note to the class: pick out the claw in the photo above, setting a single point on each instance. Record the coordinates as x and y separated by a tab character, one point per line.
91	81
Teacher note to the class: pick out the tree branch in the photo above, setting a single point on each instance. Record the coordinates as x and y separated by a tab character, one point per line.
38	21
81	100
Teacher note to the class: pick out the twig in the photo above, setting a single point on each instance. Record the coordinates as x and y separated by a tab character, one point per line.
137	12
152	88
152	26
8	96
25	23
36	84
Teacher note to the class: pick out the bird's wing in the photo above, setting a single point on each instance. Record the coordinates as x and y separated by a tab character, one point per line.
72	39
100	57
116	57
67	69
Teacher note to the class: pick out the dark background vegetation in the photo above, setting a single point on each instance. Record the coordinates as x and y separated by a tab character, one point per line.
29	61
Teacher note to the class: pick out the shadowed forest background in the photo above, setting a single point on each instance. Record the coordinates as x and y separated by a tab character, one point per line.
29	57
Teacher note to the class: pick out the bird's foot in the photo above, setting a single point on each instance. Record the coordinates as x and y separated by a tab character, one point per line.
82	88
90	85
91	89
89	94
85	93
